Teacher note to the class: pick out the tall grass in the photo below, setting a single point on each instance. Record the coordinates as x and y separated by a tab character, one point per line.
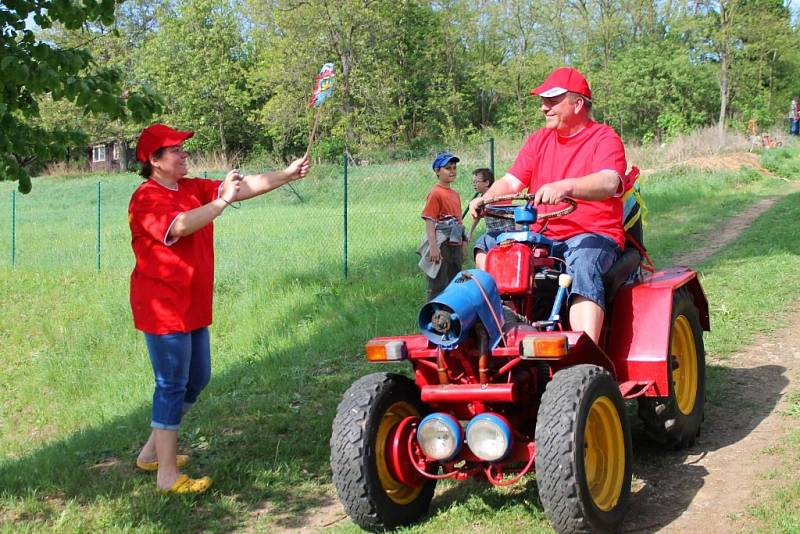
701	142
706	141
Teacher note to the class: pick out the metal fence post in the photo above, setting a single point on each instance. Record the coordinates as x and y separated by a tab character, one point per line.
13	228
491	154
344	236
98	226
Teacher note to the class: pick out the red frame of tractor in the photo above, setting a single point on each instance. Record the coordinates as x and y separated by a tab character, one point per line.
557	403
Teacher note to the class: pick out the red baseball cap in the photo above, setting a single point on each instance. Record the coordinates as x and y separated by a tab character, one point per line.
563	80
158	136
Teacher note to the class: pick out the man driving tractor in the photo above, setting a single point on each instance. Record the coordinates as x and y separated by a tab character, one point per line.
575	157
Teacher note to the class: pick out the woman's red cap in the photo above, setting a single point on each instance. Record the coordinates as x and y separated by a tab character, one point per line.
158	136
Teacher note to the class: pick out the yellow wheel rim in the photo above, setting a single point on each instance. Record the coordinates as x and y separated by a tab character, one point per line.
395	490
604	454
684	367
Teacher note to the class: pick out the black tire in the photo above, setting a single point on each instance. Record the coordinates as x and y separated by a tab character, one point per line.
675	421
372	498
583	451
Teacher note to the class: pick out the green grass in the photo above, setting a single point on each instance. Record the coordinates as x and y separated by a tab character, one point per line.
287	341
781	512
683	203
781	161
56	225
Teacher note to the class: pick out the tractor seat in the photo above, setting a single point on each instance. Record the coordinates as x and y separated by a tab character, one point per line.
621	271
631	257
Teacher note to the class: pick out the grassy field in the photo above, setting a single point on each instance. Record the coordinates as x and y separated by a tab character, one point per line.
288	336
56	224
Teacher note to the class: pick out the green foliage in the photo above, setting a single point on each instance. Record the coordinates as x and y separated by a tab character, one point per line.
411	74
329	149
198	62
651	91
33	69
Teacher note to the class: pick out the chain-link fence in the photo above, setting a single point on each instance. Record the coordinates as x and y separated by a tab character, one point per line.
342	220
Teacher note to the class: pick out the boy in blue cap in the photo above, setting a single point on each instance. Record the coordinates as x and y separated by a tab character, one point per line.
442	248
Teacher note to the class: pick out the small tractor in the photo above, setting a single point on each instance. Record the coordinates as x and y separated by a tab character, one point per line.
503	387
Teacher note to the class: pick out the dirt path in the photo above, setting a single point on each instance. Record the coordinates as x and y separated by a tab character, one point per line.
728	230
737	456
738	453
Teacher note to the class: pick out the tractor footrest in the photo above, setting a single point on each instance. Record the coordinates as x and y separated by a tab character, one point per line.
634	388
470	393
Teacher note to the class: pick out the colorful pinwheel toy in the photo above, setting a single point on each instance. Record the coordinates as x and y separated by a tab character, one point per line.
323	89
323	86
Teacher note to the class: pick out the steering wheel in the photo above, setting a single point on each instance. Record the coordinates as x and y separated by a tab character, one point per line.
507	212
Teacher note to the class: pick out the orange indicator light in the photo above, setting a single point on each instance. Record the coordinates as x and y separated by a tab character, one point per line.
544	346
382	350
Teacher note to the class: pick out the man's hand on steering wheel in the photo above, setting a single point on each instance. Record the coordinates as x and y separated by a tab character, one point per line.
553	193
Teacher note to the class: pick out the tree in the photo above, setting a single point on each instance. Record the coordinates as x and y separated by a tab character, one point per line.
33	69
396	79
198	62
653	91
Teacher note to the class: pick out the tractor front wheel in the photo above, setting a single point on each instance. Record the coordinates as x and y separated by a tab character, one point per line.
372	470
583	451
675	421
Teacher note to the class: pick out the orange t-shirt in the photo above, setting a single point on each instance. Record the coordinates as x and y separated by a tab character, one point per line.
442	202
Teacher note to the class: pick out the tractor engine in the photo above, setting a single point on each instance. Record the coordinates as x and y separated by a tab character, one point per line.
472	296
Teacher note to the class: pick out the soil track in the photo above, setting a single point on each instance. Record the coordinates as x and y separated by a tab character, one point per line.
738	455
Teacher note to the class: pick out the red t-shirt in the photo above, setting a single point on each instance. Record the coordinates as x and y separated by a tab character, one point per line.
547	157
442	202
172	282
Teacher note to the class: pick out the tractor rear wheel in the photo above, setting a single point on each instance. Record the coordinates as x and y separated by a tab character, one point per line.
675	421
583	451
371	467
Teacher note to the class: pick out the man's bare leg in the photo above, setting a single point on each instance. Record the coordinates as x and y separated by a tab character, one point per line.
587	316
480	260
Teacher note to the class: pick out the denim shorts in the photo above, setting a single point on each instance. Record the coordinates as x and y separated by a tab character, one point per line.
588	258
485	242
182	368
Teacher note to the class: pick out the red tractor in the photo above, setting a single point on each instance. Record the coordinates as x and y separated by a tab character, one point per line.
502	387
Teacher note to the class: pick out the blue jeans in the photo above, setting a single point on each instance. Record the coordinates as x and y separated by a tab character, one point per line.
794	126
588	258
182	367
485	242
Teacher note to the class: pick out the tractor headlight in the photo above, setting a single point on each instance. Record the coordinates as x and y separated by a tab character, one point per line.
440	436
489	436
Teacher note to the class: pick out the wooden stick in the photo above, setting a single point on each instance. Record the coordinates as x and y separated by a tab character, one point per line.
313	133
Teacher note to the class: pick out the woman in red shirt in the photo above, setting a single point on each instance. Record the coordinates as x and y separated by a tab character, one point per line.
172	236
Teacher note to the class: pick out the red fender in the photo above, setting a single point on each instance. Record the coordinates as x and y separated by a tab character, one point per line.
638	339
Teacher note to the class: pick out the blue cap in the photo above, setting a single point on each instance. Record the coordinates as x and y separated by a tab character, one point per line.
442	159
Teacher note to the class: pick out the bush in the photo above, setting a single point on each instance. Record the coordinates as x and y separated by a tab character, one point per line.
328	149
